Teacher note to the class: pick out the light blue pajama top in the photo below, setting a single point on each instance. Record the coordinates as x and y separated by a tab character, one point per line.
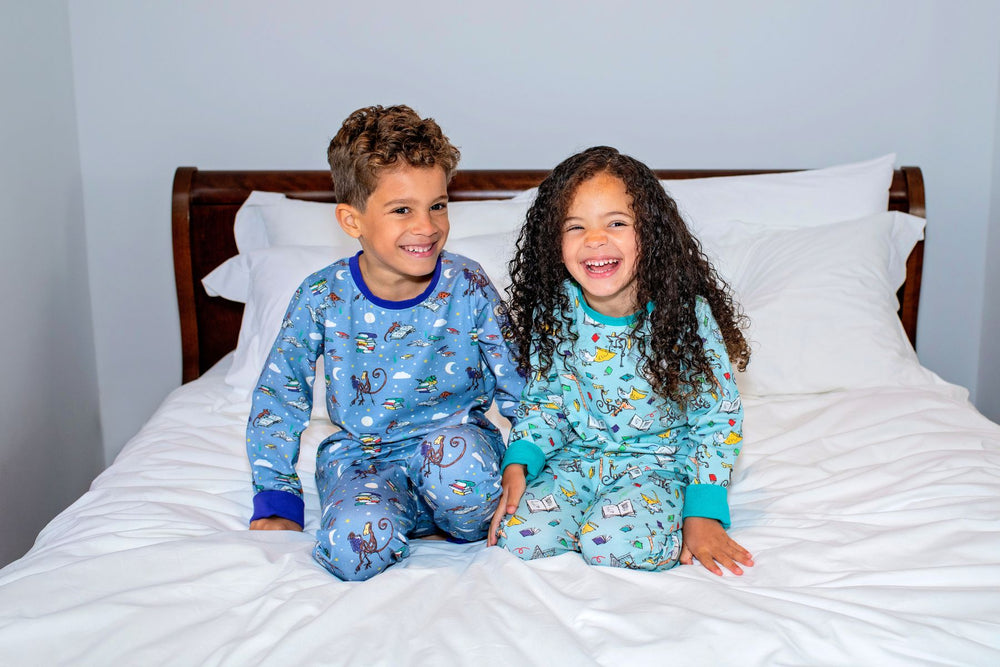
395	370
594	400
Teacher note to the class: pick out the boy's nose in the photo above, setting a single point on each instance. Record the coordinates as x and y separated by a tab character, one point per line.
423	224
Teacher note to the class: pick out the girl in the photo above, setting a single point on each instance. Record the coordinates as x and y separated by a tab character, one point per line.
631	422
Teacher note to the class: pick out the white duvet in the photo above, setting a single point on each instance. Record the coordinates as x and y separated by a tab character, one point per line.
873	516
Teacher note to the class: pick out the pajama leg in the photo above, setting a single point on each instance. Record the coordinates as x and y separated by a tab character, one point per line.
368	510
636	523
547	520
457	472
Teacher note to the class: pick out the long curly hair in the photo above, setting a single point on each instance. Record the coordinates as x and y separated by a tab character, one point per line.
671	271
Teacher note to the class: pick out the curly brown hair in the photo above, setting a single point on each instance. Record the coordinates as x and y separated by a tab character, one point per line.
375	138
671	271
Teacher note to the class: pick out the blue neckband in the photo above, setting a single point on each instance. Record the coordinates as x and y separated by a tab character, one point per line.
359	280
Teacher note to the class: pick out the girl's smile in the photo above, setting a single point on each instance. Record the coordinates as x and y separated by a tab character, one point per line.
599	245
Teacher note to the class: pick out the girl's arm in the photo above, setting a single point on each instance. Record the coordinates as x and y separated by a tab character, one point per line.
540	427
716	423
715	419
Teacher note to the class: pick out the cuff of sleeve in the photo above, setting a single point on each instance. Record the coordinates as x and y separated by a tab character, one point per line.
709	501
526	452
280	504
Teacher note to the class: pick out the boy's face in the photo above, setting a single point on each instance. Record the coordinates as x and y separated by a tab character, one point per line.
402	230
600	247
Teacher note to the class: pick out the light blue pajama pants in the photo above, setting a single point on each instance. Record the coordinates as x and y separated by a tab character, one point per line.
449	479
616	511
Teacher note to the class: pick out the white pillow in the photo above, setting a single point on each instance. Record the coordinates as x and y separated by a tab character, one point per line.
492	251
792	199
268	219
273	275
822	302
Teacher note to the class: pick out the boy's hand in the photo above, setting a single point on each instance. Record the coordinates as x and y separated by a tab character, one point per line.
274	523
513	484
706	540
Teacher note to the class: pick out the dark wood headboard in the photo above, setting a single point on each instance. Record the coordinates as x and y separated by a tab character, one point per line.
205	205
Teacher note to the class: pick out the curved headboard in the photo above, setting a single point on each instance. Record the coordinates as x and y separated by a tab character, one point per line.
205	205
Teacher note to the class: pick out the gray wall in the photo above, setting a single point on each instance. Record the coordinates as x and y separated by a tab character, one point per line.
989	351
50	447
256	84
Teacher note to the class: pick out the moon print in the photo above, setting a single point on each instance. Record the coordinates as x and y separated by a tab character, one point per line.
335	373
367	421
498	370
369	318
340	274
449	368
448	273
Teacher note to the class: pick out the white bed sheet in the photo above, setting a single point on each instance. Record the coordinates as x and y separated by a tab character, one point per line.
873	516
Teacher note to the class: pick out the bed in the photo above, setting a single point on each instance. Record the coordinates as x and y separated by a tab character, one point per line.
868	489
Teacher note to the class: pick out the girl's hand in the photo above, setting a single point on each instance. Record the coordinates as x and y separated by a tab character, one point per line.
513	483
707	541
274	523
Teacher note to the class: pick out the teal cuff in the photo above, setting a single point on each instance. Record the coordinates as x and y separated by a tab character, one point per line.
707	500
527	453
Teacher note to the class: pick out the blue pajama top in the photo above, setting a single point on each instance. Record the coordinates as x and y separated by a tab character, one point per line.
395	370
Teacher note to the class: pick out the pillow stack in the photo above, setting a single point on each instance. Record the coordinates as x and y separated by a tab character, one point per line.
814	258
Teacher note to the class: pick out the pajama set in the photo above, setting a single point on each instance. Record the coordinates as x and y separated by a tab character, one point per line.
612	468
408	383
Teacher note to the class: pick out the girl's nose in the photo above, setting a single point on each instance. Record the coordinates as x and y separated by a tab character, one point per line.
595	238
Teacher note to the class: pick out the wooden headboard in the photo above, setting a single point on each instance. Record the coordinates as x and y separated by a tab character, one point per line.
205	205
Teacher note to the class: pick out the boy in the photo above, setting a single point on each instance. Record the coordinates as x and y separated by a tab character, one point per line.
413	340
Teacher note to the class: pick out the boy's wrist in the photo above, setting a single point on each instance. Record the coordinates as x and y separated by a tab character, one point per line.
281	504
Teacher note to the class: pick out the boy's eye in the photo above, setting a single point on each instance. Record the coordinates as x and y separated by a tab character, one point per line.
402	210
439	206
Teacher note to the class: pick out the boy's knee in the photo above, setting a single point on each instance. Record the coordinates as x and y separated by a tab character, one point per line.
358	557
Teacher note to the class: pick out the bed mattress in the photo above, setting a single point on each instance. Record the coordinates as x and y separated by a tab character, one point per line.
873	516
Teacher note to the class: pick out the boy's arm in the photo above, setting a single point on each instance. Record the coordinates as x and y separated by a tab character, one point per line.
496	350
282	404
715	418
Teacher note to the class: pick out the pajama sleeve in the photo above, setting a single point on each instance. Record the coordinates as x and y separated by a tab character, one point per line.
282	404
496	353
540	427
715	419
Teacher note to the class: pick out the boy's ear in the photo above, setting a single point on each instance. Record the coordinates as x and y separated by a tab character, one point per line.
347	217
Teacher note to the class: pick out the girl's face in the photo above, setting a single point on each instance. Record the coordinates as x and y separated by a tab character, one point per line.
599	245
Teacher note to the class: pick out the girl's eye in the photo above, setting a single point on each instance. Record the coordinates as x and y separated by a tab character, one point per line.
571	228
619	223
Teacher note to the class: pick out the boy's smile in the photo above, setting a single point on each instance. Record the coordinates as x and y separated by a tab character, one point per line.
599	245
402	230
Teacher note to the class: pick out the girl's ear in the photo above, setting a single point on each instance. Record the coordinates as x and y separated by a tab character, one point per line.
347	217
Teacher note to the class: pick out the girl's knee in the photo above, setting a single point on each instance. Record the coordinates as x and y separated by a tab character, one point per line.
651	556
528	543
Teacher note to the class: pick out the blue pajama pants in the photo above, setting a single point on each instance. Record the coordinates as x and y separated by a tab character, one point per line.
449	479
616	511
